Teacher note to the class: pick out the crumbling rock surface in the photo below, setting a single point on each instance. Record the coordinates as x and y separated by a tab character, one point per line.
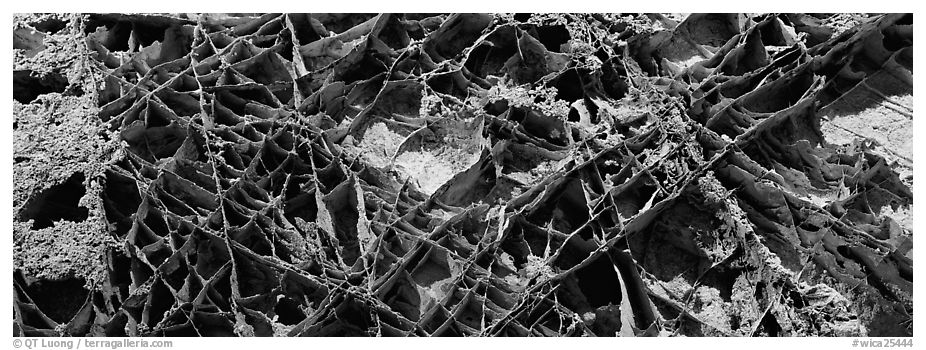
463	175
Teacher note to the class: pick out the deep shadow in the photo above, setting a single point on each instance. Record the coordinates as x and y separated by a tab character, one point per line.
60	202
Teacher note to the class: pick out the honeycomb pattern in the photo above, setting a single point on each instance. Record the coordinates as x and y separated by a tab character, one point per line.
492	175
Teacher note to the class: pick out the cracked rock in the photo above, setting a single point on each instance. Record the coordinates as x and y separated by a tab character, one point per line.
463	175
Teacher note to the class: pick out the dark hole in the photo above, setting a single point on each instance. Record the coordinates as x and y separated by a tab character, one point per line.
59	300
299	203
57	203
599	282
286	51
119	276
288	311
354	314
148	34
553	36
905	20
27	86
613	81
844	251
602	54
723	279
797	299
50	25
221	293
161	302
569	86
496	108
345	229
487	59
517	115
74	90
573	115
157	117
760	290
771	34
120	201
522	17
303	27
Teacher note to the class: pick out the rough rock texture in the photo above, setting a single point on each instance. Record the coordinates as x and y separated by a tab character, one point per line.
463	174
